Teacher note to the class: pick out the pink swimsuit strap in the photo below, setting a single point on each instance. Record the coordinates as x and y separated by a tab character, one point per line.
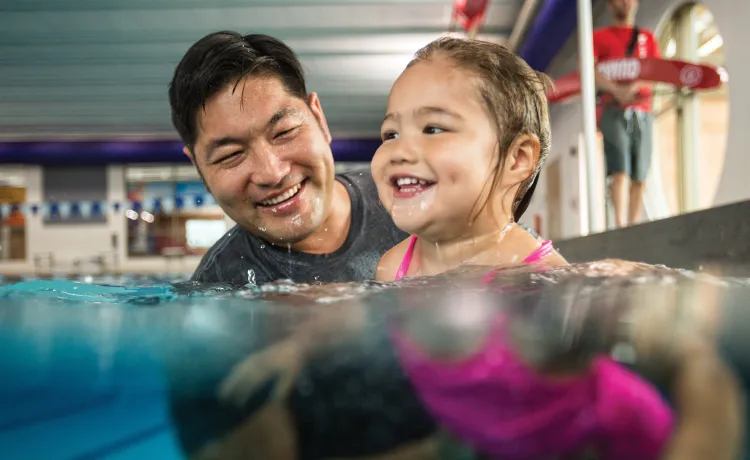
406	261
536	256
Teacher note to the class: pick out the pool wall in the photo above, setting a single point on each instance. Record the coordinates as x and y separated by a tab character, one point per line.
703	239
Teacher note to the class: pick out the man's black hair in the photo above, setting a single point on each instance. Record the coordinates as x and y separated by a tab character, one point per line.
223	58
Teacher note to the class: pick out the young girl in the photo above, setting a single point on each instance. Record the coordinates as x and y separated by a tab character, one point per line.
464	137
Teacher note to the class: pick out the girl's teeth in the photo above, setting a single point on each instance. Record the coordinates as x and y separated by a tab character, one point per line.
409	180
283	197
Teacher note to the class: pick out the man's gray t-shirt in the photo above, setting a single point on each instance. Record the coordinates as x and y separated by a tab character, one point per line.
240	258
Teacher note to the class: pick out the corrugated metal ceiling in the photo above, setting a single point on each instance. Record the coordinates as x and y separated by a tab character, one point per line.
101	67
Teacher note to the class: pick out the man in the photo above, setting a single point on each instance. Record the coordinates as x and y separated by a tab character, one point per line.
261	144
626	121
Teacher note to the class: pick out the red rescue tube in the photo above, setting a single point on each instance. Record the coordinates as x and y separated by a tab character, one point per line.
673	72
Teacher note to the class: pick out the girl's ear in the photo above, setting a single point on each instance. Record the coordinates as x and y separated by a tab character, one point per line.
522	157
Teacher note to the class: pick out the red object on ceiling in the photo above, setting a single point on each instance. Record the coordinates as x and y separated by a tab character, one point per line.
468	13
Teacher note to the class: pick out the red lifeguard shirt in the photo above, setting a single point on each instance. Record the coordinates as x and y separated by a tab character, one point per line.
612	43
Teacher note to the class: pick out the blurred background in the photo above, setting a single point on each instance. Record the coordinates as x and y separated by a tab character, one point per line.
93	180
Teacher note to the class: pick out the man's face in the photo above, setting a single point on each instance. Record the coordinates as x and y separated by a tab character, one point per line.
621	10
265	156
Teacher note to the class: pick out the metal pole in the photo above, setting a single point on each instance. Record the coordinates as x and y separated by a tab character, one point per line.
588	104
688	120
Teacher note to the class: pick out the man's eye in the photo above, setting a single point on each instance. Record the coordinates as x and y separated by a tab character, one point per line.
226	158
286	132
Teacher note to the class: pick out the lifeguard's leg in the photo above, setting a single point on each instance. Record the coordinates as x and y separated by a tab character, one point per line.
642	149
617	153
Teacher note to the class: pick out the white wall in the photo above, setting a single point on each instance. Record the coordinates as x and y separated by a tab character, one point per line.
731	18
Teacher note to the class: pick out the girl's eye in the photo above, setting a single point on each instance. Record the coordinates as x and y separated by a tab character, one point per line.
388	135
433	130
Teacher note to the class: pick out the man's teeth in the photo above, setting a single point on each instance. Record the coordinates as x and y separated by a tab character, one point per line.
409	180
283	197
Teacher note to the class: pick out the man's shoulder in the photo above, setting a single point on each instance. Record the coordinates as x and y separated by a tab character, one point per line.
360	178
226	245
370	212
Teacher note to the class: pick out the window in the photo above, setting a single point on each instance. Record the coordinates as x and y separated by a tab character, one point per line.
73	194
690	128
169	211
12	219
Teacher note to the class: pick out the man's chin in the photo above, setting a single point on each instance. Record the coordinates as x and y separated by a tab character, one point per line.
283	238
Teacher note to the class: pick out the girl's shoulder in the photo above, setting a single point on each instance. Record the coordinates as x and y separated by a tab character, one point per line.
391	260
523	243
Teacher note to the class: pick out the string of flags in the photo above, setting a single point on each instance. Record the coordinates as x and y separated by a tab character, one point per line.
66	210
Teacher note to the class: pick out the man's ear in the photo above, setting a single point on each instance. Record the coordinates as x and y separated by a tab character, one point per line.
314	102
523	156
188	154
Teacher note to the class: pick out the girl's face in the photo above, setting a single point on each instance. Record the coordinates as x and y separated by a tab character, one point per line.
439	150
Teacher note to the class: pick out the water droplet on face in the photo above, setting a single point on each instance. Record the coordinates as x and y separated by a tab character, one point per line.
262	229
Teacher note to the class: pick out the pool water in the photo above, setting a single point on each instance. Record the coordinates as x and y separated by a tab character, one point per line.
91	370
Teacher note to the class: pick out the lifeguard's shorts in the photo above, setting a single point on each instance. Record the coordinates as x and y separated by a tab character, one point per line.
628	141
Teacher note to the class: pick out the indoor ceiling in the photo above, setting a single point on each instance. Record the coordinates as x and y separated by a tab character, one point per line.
100	68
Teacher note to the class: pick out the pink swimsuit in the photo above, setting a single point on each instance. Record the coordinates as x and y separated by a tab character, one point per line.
495	403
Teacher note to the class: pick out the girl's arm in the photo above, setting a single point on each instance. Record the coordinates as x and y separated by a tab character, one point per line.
710	408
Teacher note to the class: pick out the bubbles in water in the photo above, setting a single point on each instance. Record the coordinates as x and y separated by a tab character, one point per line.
263	246
251	277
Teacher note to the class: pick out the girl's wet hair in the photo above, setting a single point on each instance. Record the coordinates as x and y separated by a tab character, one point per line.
513	93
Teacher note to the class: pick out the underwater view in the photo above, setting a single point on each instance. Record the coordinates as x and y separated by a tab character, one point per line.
144	368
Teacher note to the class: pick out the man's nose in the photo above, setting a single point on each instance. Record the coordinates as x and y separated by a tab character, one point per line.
269	168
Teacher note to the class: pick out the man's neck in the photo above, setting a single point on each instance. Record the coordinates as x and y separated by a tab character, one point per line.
332	233
627	22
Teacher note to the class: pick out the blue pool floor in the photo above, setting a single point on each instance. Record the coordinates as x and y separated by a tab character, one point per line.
94	426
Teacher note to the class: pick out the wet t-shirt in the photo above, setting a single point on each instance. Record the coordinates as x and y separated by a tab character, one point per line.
240	258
